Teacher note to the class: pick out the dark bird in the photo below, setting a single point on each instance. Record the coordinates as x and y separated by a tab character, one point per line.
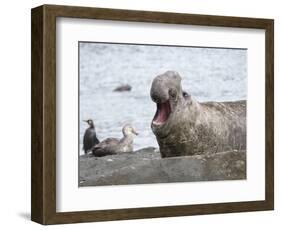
90	138
112	146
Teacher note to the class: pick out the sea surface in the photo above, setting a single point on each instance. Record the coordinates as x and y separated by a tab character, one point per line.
209	74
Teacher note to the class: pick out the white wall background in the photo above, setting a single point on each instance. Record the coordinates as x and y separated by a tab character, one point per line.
15	113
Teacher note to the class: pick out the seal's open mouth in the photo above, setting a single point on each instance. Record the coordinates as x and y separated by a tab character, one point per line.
162	113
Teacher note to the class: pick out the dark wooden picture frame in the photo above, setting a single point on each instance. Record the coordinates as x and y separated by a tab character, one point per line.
43	170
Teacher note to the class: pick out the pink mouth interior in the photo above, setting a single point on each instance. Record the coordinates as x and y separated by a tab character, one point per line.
162	113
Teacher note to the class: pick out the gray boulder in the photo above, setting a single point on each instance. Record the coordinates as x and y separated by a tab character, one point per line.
146	166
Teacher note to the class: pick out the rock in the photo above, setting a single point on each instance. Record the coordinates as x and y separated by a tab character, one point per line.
146	166
123	88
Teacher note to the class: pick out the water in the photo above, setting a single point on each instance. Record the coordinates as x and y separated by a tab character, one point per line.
209	74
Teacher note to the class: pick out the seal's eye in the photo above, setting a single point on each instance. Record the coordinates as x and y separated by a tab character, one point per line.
185	94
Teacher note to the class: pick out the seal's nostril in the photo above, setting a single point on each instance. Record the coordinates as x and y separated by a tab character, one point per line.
172	93
154	97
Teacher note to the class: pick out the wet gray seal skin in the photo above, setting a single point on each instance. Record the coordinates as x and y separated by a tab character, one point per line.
112	146
183	126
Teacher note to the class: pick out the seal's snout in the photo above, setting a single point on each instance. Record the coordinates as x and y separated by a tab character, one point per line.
159	96
159	91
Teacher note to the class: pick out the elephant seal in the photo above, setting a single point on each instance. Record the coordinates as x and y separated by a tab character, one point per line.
123	88
184	126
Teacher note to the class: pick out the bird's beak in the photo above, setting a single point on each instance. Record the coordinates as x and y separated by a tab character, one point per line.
136	133
85	121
